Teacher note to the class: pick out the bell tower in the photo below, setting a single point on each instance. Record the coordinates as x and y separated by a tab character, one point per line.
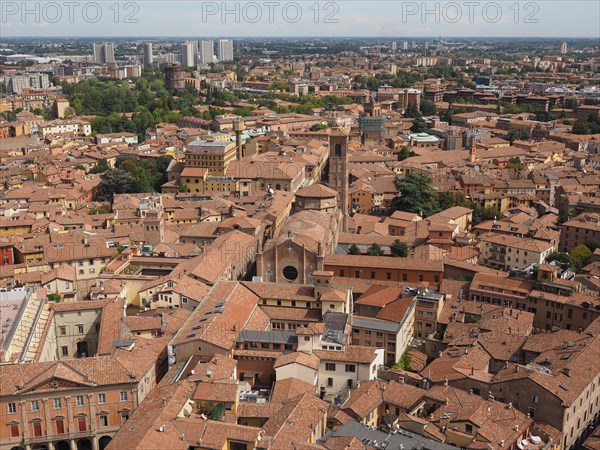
338	171
372	124
154	227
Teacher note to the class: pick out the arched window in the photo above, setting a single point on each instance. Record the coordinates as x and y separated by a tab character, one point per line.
338	150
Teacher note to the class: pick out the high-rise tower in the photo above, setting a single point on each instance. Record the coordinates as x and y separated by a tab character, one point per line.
338	171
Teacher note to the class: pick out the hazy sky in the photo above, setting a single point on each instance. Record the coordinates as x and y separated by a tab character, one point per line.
542	18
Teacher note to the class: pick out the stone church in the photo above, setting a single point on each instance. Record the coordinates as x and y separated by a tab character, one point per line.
311	231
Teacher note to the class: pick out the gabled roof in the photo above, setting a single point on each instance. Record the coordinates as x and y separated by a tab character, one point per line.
56	372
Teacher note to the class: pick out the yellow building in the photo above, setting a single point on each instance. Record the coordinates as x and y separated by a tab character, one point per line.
214	156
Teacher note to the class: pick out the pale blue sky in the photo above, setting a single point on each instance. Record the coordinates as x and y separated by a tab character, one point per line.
542	18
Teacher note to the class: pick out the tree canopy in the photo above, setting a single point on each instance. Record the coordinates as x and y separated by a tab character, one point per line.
416	195
134	176
375	250
399	249
353	250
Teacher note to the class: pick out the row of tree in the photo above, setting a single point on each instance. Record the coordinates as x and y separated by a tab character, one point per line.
398	249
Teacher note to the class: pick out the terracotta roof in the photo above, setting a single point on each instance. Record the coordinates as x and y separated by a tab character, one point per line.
402	395
384	262
316	191
352	353
295	421
310	360
364	399
218	391
142	430
378	295
84	372
289	388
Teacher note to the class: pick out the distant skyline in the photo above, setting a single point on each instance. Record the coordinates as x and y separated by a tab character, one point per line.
343	18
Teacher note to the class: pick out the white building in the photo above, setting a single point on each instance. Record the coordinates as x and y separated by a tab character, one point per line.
189	51
111	138
76	127
225	50
206	53
148	57
104	53
18	83
333	372
508	252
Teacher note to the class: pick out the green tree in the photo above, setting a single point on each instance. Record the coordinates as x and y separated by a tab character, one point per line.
518	135
399	249
99	210
489	213
543	116
10	116
419	125
412	111
405	153
449	199
592	244
54	297
319	127
428	108
353	250
101	167
404	363
416	195
375	250
581	127
581	256
183	187
515	164
115	181
562	258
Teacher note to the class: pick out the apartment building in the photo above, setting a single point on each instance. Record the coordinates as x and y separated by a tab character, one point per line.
225	50
508	252
428	307
567	309
392	329
334	371
74	127
579	230
499	290
555	303
88	256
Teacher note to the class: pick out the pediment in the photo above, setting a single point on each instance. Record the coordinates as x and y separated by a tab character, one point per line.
58	376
